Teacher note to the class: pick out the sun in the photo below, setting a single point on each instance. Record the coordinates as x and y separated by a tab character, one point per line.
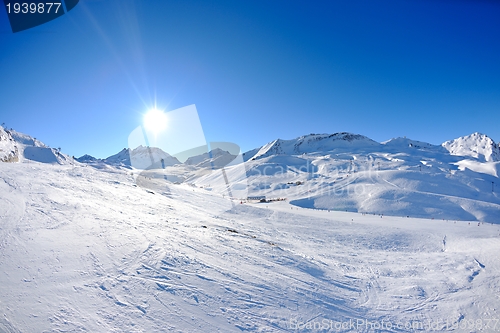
155	121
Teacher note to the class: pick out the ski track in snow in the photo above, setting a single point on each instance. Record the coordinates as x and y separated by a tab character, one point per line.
88	250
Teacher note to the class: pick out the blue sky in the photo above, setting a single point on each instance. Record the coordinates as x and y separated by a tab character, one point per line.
256	70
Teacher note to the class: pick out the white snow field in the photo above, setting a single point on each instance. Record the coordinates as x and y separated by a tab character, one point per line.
87	250
101	249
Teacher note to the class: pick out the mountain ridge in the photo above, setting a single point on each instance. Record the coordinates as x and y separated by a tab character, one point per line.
16	147
476	145
340	171
400	176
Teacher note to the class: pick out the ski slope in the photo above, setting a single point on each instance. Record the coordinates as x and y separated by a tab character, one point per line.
400	177
343	171
87	249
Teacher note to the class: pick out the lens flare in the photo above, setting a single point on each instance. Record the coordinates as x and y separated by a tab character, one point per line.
155	121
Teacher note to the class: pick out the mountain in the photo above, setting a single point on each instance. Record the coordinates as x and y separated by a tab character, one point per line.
400	177
9	151
15	147
405	144
476	145
95	249
87	159
315	143
142	158
215	159
84	250
26	140
342	171
150	157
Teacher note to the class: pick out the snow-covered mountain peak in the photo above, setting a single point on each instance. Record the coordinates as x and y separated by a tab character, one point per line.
315	143
404	143
335	136
193	160
142	158
476	145
215	159
87	159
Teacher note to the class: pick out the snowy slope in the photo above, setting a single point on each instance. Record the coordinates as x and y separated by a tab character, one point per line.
84	249
250	154
26	140
456	180
476	145
21	146
341	171
400	177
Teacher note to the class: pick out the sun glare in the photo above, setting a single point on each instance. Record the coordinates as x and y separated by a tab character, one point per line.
155	120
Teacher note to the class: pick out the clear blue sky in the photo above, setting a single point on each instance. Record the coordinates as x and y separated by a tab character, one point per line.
256	70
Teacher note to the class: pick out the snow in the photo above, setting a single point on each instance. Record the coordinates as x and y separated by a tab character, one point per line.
142	158
15	147
405	144
26	139
108	247
315	142
40	154
492	169
8	147
399	177
216	158
476	145
84	249
341	171
86	159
